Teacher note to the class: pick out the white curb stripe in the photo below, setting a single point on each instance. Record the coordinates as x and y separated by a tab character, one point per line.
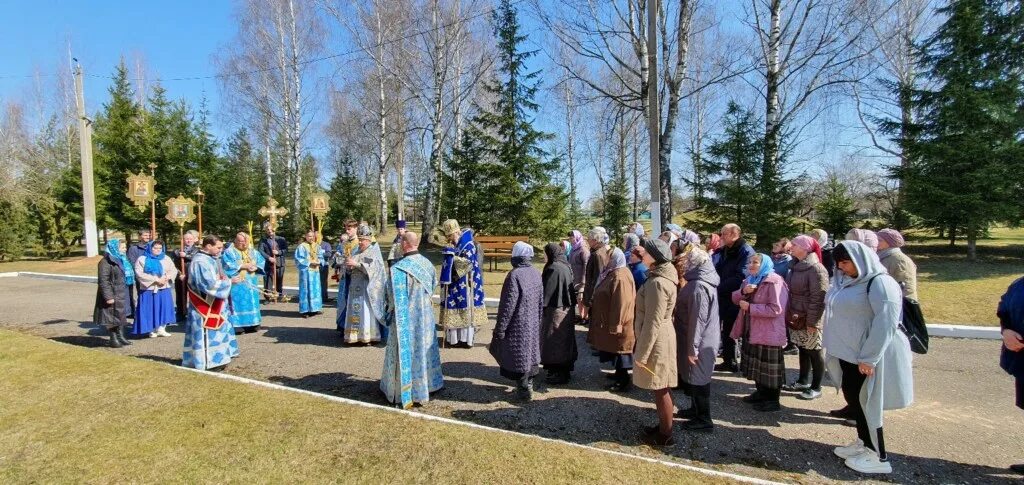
429	417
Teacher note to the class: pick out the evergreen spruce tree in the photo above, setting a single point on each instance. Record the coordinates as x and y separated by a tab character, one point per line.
966	162
835	213
120	149
616	204
730	171
523	198
349	197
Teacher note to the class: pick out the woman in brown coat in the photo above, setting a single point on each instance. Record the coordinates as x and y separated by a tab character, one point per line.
808	283
655	353
611	319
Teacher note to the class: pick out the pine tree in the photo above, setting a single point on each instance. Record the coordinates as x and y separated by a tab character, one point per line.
523	198
730	172
119	149
615	206
836	212
966	161
350	199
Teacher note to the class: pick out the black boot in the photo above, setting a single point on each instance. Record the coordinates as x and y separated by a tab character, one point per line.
113	339
120	336
622	382
525	389
701	422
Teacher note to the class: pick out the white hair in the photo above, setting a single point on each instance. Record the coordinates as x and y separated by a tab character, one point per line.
599	234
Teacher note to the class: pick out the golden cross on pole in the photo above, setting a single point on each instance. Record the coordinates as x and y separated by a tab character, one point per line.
272	212
200	198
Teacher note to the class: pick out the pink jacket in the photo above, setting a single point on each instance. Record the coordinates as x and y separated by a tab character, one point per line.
767	313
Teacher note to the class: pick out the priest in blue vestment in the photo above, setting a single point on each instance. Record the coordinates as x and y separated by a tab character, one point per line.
242	263
366	306
412	361
209	336
462	286
308	258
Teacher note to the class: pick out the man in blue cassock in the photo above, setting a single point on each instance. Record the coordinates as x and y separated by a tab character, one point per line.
412	362
242	263
209	336
308	258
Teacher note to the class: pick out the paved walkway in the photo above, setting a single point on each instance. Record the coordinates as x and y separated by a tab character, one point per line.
954	433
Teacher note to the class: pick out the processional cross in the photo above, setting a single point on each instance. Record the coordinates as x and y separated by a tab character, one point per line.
272	212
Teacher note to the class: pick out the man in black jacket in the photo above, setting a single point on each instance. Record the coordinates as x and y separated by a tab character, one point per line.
273	249
732	269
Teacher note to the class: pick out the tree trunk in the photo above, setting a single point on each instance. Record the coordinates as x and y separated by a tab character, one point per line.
295	129
382	161
972	245
773	114
952	236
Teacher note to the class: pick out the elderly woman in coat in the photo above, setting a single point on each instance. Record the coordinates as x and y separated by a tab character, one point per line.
611	323
558	337
655	353
600	251
866	352
896	262
698	336
516	340
761	323
115	275
808	282
579	254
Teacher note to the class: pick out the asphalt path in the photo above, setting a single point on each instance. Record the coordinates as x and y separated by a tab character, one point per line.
959	429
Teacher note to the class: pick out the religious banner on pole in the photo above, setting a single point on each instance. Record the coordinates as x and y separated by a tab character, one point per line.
181	210
142	193
319	205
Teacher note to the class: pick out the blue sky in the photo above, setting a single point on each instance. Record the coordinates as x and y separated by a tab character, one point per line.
174	39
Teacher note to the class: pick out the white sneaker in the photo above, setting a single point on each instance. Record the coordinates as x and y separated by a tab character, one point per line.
163	333
810	394
152	335
868	462
850	450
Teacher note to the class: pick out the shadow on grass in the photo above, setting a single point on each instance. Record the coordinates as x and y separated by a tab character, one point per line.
88	341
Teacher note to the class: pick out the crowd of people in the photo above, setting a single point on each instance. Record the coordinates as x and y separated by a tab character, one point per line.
659	312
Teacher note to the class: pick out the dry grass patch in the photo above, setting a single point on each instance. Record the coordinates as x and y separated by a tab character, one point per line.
76	415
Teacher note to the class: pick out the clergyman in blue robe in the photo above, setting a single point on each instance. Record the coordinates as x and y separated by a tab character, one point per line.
308	258
412	361
242	263
205	347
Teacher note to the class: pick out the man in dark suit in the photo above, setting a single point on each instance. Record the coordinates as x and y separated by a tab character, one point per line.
273	249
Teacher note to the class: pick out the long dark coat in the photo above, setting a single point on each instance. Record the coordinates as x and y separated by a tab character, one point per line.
698	331
111	286
516	341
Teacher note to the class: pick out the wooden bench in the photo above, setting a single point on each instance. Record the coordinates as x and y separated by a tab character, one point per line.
494	247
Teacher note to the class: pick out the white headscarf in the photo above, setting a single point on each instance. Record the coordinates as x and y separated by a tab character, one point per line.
616	260
522	250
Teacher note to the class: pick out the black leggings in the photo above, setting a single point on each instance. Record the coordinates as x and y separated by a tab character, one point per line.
812	360
853	381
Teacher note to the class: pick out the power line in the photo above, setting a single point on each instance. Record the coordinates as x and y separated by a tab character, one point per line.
299	63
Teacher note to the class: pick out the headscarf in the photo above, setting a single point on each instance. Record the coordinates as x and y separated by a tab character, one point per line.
767	267
869	238
522	250
557	278
153	264
714	242
658	250
678	231
638	229
820	235
599	234
117	257
694	258
690	237
567	248
615	261
892	237
809	244
576	239
865	259
632	241
671	237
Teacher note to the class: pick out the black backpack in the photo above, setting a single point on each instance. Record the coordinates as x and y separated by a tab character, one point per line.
912	324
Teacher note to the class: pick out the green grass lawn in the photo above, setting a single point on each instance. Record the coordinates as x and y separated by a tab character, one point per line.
74	415
954	290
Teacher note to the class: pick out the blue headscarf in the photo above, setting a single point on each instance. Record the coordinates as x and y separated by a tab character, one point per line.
153	265
118	258
767	267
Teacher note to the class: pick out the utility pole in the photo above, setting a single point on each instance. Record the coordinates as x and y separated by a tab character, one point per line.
88	189
654	114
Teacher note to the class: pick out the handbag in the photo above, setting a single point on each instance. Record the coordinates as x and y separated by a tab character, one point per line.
911	323
796	321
